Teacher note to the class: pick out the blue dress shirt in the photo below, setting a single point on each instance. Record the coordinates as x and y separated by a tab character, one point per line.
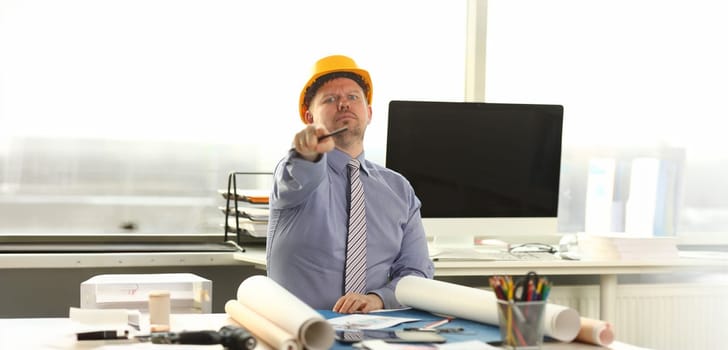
307	228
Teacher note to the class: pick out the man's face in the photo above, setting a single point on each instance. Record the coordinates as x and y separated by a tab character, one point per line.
341	102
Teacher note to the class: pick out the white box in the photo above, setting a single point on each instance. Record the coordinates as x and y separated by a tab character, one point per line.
189	293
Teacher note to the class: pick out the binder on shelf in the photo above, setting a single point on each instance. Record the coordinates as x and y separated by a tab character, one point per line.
246	210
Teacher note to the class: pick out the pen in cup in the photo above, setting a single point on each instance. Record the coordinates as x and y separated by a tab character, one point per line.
335	132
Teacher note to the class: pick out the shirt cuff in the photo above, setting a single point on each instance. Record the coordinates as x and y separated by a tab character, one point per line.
292	154
388	298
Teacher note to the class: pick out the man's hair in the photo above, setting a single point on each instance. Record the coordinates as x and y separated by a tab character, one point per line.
320	81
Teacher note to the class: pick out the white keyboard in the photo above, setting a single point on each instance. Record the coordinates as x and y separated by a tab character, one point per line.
453	254
526	256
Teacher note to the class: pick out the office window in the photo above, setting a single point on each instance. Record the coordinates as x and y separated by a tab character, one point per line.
124	117
643	84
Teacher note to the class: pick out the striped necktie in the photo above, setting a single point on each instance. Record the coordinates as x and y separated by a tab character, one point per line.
356	242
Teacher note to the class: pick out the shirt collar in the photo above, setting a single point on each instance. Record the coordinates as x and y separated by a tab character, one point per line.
338	160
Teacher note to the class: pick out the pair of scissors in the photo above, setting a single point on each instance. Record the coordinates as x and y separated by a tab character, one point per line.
526	287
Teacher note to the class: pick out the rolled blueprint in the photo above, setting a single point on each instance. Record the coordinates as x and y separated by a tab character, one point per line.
560	322
596	332
263	329
268	299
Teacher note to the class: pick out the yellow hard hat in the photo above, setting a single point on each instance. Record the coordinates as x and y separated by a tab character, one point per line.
332	64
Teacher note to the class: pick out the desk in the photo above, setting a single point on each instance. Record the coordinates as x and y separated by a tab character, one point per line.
606	270
255	256
141	259
59	333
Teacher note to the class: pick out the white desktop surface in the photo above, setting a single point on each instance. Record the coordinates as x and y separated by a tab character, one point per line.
59	333
606	270
140	259
255	256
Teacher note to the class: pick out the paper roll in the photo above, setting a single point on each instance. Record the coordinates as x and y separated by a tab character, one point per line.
560	322
271	301
596	332
261	327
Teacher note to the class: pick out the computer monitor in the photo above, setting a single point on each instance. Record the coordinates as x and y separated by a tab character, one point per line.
480	169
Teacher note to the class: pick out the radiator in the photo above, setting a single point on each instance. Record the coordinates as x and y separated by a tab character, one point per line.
659	316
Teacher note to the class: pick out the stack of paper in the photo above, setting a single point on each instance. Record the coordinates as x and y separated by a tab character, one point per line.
246	195
248	226
624	247
254	213
251	216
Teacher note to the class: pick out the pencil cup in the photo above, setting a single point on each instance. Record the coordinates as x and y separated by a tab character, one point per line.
521	323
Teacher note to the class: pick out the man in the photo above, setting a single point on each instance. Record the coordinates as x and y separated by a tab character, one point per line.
310	226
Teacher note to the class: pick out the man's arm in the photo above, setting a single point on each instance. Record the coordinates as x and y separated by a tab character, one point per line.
302	169
414	259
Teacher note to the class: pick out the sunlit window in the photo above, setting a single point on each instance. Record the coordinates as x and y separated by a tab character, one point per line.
127	116
643	84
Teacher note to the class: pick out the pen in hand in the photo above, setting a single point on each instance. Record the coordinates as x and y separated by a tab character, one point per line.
335	132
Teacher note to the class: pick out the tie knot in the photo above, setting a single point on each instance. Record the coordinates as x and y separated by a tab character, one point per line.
354	163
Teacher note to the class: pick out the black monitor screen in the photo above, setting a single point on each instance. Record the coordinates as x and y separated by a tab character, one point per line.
478	160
